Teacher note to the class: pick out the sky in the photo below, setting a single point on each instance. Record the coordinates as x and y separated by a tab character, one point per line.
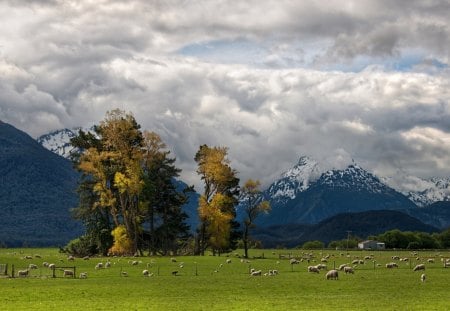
364	81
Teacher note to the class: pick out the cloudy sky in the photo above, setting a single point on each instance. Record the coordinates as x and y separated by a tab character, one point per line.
271	80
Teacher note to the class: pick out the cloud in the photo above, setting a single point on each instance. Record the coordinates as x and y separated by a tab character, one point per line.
272	80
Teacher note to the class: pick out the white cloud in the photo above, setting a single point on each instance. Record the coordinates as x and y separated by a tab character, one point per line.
272	80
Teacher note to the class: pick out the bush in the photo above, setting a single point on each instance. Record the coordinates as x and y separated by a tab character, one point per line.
313	245
81	247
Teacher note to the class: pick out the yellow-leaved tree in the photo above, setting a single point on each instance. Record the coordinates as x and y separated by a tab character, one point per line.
216	204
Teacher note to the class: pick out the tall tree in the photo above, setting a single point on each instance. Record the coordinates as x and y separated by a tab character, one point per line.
216	204
253	207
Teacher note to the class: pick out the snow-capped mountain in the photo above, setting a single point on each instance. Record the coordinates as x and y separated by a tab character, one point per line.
438	189
59	141
294	180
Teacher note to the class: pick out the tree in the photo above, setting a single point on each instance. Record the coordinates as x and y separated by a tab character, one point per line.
216	204
253	207
127	186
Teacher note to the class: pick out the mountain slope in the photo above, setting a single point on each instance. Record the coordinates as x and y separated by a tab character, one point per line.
37	191
337	191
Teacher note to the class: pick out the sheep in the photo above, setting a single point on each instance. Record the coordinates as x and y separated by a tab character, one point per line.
332	275
28	257
423	277
86	258
37	256
174	273
173	259
396	257
323	260
322	266
124	273
45	264
70	258
99	266
294	261
355	262
145	272
349	270
419	267
391	265
68	273
228	261
22	273
256	273
108	264
313	269
52	266
430	260
341	267
32	266
134	263
273	272
83	275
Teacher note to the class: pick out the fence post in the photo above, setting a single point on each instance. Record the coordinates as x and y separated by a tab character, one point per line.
12	271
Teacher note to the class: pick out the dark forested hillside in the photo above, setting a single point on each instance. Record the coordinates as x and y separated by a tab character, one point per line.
37	191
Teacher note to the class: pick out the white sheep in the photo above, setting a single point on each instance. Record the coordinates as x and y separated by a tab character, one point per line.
423	277
332	275
341	267
228	261
68	273
22	273
108	264
391	265
349	270
173	259
313	269
256	273
32	266
124	273
45	264
294	261
322	266
83	275
99	266
419	267
145	273
430	260
134	262
71	258
52	266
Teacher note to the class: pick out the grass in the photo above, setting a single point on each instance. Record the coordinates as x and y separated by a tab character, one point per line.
230	288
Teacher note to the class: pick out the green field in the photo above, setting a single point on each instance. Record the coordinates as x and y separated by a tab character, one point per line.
210	283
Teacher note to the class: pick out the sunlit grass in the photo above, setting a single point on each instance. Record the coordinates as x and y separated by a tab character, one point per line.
209	283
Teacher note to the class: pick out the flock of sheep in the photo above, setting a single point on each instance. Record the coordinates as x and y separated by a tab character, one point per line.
333	274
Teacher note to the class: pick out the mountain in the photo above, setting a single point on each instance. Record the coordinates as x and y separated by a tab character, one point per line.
436	214
437	189
360	224
37	191
335	191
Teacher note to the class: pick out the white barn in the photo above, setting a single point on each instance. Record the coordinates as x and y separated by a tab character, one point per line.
370	244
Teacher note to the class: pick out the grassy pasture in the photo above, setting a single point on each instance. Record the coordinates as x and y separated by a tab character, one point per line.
209	283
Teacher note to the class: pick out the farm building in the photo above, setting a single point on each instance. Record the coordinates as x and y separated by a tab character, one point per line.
370	244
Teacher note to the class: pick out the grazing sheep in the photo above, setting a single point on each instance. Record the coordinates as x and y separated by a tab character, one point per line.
28	257
332	275
71	258
134	263
341	267
391	265
273	272
99	266
83	275
349	270
173	259
323	260
396	257
423	277
22	273
256	273
145	272
86	258
355	262
313	269
294	261
430	260
228	260
32	266
37	256
68	273
52	266
322	266
419	267
124	273
45	264
174	273
108	264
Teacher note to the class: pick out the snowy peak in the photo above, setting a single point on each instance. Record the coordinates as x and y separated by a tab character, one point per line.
58	141
353	177
295	180
437	189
